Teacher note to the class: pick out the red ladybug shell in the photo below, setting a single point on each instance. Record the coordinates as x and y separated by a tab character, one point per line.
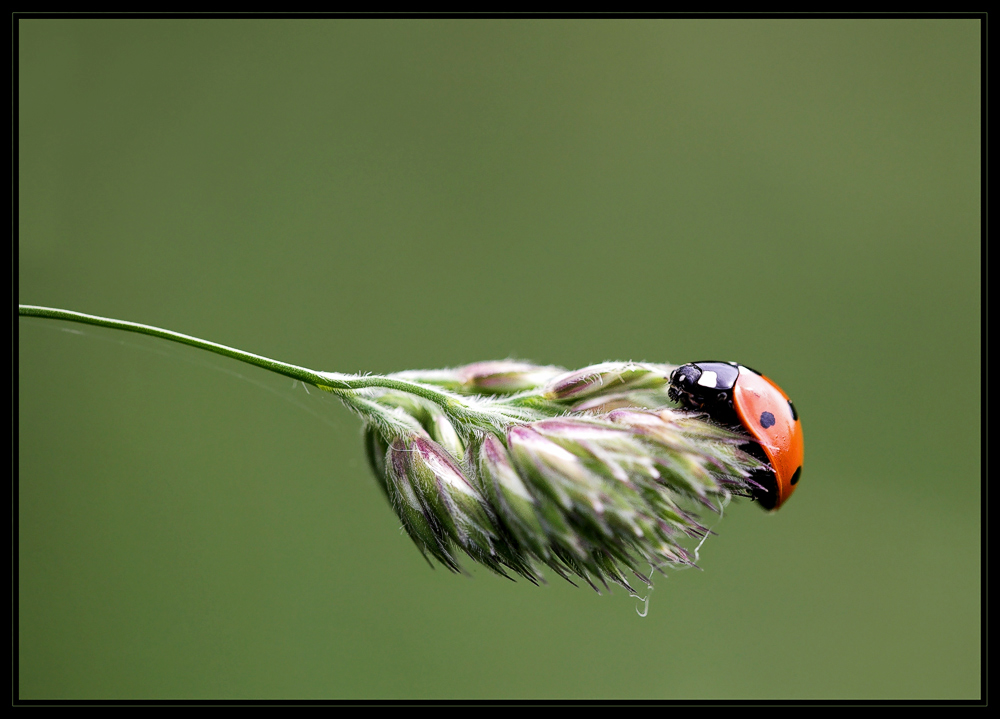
768	415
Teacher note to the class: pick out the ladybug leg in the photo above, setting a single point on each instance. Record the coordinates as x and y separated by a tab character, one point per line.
764	483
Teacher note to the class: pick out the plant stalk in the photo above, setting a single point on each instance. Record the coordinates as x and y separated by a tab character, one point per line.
332	381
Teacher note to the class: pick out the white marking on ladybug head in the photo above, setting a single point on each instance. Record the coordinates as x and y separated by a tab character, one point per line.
709	379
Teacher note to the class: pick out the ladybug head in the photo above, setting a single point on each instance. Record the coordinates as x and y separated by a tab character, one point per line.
706	387
683	383
685	375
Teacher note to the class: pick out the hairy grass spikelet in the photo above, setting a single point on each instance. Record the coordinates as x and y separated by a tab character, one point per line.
589	493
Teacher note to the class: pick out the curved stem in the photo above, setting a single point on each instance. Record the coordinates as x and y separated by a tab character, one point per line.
445	399
289	370
453	404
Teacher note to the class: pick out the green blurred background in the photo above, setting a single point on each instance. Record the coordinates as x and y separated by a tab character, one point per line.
377	195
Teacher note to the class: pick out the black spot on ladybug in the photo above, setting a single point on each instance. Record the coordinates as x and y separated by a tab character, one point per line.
766	420
795	477
795	415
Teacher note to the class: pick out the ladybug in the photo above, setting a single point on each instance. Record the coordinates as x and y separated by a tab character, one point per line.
735	395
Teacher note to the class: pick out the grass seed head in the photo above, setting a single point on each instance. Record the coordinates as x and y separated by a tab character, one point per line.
591	495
